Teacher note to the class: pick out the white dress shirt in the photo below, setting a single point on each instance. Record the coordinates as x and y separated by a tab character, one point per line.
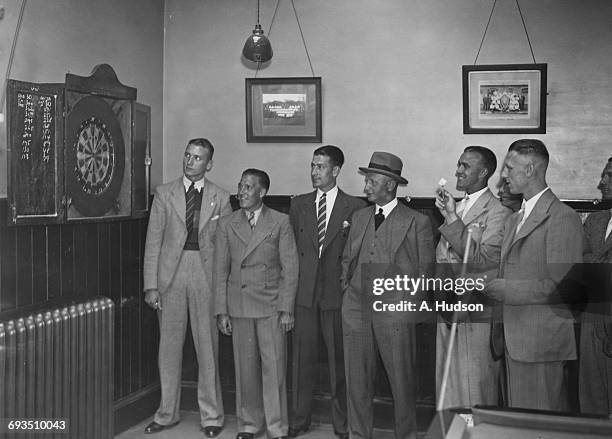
387	208
198	184
470	201
528	206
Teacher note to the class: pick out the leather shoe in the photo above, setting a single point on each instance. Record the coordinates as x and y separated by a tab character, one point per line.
244	435
342	435
154	427
295	431
212	431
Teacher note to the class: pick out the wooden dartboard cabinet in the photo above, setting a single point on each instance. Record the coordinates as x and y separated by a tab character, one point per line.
77	151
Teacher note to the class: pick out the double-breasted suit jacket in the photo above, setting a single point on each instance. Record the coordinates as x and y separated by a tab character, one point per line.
472	357
318	302
256	270
184	281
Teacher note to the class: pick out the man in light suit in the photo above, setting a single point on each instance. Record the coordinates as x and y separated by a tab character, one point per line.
595	377
256	275
542	243
178	280
320	221
474	373
385	240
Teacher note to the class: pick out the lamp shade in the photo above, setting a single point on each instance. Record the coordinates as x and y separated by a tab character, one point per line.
257	47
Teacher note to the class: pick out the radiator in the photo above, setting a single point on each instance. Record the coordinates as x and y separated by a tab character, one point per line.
58	364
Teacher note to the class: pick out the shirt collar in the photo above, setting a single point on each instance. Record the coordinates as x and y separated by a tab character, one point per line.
476	195
529	204
387	208
256	212
332	193
198	184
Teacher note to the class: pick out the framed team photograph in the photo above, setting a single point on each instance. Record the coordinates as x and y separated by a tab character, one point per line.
283	109
504	98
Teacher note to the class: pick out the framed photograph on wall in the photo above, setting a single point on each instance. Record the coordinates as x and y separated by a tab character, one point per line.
504	98
283	109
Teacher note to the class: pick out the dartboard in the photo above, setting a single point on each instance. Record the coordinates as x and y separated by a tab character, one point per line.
95	156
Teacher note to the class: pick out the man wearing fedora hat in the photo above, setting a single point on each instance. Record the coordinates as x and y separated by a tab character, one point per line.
385	240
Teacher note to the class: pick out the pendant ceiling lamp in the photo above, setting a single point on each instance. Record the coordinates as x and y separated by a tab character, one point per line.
257	47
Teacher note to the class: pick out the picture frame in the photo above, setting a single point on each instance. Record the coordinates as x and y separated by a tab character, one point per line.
283	109
504	98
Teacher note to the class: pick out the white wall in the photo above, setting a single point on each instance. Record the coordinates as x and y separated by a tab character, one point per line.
61	36
391	81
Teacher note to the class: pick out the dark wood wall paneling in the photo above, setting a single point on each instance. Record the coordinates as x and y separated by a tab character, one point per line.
47	266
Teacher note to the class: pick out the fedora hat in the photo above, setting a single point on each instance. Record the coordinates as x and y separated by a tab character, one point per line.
387	164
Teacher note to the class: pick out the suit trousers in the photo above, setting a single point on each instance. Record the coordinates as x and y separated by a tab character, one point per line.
595	380
537	385
186	294
474	375
309	324
395	341
260	358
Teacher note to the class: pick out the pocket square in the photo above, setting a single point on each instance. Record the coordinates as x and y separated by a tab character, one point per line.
214	218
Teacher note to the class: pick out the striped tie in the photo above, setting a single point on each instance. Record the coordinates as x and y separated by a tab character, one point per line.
190	211
521	219
321	221
251	218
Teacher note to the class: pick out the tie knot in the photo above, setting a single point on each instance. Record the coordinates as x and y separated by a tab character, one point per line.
380	211
191	187
323	195
251	219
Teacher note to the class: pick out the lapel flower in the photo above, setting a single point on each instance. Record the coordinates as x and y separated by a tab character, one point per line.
345	225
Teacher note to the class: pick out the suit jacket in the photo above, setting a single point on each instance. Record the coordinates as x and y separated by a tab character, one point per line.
412	253
486	240
598	256
597	248
167	233
536	262
256	271
328	268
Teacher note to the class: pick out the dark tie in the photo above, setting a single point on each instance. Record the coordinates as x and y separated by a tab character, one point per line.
190	211
378	218
321	215
251	219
